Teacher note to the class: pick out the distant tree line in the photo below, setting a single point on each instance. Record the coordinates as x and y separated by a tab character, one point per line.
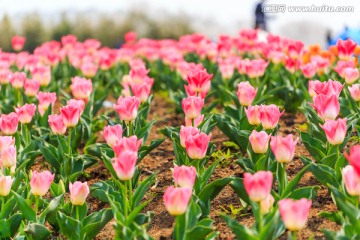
109	29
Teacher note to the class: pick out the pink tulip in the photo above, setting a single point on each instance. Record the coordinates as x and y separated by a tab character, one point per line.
354	158
26	113
40	182
17	43
124	164
283	148
70	115
345	48
81	88
267	204
351	180
127	144
197	121
5	185
127	108
294	213
185	132
355	91
9	123
246	93
176	200
42	74
184	176
8	157
17	79
335	130
192	107
45	100
253	114
327	106
112	134
56	124
258	185
78	193
196	146
269	116
351	75
77	103
31	87
6	141
328	88
259	141
308	70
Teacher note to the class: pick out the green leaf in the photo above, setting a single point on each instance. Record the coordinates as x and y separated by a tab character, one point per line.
37	231
24	207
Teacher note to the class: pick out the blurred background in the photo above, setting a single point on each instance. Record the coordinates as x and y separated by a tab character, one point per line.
108	20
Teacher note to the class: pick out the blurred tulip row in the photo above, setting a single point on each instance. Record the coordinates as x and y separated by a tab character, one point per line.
71	105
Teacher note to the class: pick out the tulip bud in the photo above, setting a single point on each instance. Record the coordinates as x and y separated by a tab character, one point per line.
78	193
176	200
294	213
259	141
283	148
335	130
184	176
40	182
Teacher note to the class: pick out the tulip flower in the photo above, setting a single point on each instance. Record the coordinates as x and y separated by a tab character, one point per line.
308	70
124	164
127	108
45	100
6	141
246	93
351	180
253	114
258	185
192	107
78	193
335	130
346	48
8	157
283	148
31	87
56	124
196	146
5	185
70	115
266	204
327	106
355	91
112	134
294	213
17	79
127	144
354	158
176	200
41	74
269	116
185	132
26	113
9	123
351	75
81	88
184	176
40	182
259	141
17	43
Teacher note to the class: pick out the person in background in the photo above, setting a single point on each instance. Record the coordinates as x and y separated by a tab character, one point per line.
260	18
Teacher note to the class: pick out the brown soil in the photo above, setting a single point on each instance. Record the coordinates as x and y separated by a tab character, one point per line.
161	162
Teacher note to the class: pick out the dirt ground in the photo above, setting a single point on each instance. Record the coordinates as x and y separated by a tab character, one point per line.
161	161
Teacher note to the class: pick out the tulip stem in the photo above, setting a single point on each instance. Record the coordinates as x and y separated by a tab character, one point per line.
292	235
